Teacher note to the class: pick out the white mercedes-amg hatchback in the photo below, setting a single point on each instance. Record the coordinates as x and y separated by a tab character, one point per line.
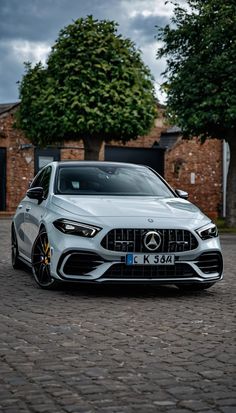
103	222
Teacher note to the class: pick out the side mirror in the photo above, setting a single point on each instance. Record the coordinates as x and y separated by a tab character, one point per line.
181	194
35	193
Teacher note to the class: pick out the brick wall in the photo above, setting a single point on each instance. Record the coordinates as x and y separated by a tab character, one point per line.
197	168
20	163
189	165
72	150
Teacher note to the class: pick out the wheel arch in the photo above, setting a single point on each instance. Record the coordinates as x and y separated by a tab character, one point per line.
42	226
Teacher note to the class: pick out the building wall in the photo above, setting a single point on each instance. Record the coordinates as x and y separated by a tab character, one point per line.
72	151
189	165
20	163
197	168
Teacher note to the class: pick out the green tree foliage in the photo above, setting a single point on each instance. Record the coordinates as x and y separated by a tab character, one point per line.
95	87
200	47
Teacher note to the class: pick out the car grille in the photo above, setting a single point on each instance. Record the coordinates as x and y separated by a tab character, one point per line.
123	271
210	262
81	263
131	240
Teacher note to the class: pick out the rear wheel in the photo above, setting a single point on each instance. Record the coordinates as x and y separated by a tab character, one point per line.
15	260
195	287
41	258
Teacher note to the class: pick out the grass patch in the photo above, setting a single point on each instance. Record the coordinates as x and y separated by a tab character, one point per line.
222	227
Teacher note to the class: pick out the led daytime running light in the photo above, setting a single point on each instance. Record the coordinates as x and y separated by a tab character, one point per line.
207	231
76	228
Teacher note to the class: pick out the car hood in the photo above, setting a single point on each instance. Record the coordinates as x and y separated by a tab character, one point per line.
117	206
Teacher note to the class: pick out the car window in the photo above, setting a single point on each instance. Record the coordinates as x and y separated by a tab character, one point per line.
110	180
37	180
43	180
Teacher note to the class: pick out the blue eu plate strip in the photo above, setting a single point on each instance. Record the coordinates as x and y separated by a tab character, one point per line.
129	259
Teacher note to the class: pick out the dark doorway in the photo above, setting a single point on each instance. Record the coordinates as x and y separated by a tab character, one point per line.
44	156
153	157
3	179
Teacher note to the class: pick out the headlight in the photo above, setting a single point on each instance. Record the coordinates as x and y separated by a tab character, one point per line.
76	228
208	231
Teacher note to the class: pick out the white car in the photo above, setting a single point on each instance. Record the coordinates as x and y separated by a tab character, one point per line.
105	222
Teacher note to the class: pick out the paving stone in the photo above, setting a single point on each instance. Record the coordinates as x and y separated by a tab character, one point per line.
164	403
228	409
194	405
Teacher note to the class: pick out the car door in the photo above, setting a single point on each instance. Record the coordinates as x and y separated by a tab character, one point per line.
35	210
21	224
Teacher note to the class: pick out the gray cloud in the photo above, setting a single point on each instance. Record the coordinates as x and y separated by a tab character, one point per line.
144	27
29	28
42	19
10	73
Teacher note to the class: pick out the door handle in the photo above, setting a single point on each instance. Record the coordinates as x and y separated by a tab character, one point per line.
28	209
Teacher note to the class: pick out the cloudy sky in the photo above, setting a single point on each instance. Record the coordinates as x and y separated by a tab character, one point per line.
29	28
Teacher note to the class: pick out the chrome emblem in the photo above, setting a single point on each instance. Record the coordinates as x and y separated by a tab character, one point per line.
150	220
152	240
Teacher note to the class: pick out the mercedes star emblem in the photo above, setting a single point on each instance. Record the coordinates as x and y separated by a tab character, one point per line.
152	240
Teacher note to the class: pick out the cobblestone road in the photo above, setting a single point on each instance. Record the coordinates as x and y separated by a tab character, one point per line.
107	350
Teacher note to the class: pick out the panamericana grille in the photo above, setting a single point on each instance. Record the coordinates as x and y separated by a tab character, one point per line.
131	240
210	262
123	271
81	263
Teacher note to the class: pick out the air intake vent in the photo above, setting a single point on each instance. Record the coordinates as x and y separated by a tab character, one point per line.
81	263
122	271
210	262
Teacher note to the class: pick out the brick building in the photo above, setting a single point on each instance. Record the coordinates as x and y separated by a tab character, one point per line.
188	164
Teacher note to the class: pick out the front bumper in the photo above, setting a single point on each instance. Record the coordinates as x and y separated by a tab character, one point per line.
88	266
85	260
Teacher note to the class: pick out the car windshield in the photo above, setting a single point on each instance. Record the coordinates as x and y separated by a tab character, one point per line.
110	180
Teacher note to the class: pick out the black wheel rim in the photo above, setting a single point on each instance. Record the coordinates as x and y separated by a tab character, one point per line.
41	260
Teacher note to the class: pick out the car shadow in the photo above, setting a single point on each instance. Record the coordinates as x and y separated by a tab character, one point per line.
125	291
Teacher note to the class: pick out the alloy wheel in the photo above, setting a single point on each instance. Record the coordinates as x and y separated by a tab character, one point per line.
41	259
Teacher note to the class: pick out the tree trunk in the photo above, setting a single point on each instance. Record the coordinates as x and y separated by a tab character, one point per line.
92	147
231	184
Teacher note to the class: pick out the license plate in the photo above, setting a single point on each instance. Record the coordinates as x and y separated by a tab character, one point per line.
150	259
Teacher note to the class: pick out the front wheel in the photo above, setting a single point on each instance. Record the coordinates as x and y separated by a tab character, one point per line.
41	258
195	287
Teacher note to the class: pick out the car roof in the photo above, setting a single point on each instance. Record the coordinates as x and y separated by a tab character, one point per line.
94	163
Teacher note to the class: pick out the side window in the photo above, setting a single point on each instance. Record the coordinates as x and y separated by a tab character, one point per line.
43	180
37	180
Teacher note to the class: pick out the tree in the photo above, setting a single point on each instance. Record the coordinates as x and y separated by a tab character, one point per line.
95	87
200	47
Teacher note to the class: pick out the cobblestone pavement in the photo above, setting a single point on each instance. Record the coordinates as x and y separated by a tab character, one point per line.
110	350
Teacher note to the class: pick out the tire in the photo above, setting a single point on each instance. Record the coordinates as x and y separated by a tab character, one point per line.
17	264
195	287
41	262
